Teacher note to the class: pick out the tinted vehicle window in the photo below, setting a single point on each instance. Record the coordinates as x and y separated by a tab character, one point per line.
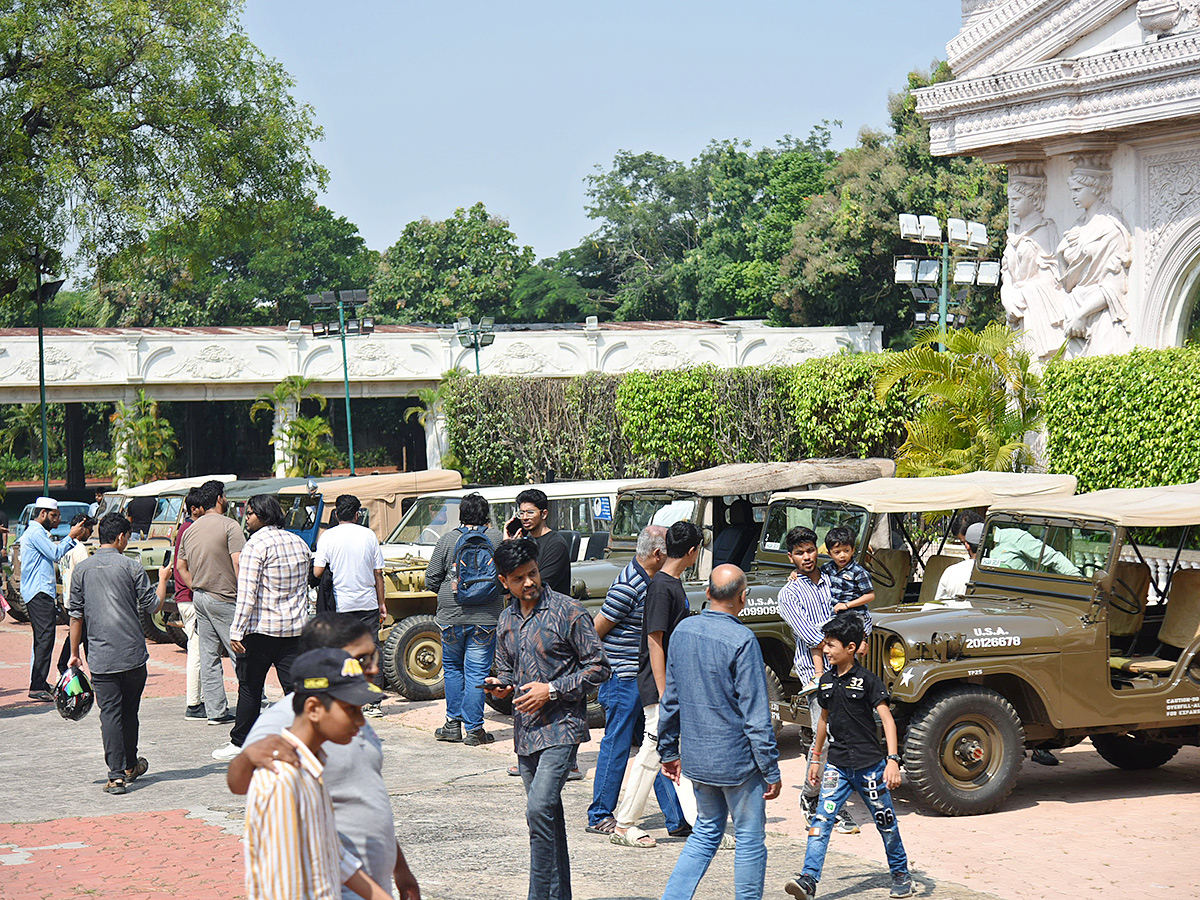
1045	548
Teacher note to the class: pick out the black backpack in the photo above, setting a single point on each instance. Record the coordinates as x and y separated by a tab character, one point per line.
474	569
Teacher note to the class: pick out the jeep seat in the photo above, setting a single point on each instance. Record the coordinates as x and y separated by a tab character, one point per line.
1181	626
933	574
736	541
1131	585
897	564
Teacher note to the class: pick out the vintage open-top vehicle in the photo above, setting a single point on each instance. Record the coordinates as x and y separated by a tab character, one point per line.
1082	619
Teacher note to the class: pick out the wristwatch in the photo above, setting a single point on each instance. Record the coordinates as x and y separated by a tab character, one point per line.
553	691
895	756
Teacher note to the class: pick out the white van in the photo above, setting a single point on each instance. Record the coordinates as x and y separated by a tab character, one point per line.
582	510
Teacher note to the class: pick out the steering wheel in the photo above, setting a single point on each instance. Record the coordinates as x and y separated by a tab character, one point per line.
428	536
1121	602
878	572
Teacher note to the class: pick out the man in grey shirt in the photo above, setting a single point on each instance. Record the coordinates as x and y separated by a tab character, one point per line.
108	592
353	772
468	632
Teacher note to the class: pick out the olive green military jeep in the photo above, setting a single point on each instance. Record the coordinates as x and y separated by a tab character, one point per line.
1081	620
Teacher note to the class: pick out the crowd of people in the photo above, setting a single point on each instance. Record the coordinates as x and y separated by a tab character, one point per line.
692	687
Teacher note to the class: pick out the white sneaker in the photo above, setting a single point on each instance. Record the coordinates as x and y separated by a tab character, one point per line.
227	752
373	710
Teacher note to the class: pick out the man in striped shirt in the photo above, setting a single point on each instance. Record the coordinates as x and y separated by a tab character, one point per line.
806	604
292	847
272	607
619	625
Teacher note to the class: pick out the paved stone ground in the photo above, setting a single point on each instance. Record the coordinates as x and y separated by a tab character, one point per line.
1082	829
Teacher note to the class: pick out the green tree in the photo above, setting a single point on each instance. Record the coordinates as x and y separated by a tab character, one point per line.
309	441
118	116
253	266
839	267
568	287
23	429
466	265
977	401
143	439
291	391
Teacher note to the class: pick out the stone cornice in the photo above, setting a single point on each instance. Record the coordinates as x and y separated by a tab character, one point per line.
1135	85
1024	32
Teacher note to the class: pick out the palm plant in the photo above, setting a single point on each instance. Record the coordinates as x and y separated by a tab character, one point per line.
146	440
977	401
287	394
23	428
309	442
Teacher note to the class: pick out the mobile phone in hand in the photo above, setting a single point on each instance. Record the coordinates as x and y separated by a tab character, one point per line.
492	687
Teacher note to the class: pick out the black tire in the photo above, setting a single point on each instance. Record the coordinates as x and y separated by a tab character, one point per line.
178	636
155	628
774	695
16	608
412	659
1133	751
595	712
963	750
61	616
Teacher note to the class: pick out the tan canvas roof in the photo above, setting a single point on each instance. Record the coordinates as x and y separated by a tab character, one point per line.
1152	507
172	485
381	494
943	492
754	478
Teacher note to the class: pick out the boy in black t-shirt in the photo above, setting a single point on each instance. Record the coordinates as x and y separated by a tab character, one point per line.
849	696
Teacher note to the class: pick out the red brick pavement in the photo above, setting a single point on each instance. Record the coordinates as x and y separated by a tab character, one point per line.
176	857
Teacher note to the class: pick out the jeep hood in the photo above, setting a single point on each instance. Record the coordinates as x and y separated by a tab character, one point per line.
986	628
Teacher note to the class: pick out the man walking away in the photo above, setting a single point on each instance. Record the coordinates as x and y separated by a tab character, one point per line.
272	607
462	571
666	607
548	651
619	625
66	567
715	703
109	595
351	552
362	809
38	587
208	564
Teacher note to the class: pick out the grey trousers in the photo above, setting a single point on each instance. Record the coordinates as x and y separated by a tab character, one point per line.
213	620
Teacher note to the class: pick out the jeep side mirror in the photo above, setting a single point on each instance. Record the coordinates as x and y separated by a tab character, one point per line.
1102	580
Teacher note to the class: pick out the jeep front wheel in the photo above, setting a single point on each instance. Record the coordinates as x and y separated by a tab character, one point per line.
963	750
412	658
1133	751
774	695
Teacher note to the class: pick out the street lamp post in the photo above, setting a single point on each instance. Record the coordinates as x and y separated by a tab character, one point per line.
961	234
476	336
344	300
43	293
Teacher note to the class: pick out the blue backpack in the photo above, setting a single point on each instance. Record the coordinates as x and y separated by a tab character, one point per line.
475	569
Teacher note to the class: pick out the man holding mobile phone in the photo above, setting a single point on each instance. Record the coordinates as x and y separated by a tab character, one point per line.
554	553
548	651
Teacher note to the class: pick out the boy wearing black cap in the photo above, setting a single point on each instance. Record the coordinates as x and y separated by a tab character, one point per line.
292	844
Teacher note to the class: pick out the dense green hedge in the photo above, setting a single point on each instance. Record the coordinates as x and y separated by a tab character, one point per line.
513	430
1125	421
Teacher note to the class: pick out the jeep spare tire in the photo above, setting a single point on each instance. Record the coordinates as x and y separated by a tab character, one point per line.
963	750
1133	751
412	658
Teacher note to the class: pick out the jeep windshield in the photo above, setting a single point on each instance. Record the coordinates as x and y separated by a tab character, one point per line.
426	521
1073	550
818	515
635	511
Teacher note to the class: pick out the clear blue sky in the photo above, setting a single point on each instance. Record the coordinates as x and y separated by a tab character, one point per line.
431	106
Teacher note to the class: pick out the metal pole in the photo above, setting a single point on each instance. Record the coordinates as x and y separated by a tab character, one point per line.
346	379
944	296
475	344
42	387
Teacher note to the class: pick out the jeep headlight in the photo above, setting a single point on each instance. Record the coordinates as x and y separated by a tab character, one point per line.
897	656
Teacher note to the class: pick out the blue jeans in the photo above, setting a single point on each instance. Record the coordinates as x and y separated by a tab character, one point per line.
745	804
836	785
623	719
467	652
544	773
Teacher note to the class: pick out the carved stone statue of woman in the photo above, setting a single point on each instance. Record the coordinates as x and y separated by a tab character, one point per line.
1095	256
1029	289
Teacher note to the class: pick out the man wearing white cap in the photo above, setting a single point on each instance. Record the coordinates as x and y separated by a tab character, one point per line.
967	526
38	555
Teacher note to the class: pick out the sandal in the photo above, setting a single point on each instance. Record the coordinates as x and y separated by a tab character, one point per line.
115	786
604	826
633	837
138	770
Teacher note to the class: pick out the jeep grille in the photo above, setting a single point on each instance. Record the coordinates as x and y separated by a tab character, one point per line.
875	658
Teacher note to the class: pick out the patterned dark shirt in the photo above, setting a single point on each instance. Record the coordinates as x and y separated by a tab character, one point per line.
849	584
555	643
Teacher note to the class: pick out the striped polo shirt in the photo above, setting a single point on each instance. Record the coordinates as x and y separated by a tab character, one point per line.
293	851
624	606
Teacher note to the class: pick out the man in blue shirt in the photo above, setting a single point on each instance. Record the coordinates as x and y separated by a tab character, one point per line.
715	704
38	555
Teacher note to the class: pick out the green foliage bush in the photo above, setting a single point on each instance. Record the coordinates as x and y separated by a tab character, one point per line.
514	430
1125	421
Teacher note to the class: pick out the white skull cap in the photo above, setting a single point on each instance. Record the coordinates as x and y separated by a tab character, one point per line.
45	503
